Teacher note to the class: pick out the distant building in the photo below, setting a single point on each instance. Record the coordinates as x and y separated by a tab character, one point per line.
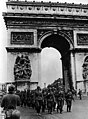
0	86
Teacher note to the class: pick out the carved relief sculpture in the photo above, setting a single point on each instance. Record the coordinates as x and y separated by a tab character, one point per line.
85	68
22	68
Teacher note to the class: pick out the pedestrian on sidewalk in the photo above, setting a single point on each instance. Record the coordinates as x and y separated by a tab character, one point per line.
80	94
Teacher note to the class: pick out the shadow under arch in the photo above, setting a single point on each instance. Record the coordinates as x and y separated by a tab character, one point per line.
63	44
60	34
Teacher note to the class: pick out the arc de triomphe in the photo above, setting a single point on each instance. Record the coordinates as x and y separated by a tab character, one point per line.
32	26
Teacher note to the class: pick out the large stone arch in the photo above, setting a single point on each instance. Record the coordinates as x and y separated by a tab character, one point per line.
31	24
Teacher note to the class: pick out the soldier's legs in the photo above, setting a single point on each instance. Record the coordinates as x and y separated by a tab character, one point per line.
57	107
25	103
38	110
70	106
67	106
61	109
22	103
38	107
80	97
48	106
54	105
50	109
43	108
61	106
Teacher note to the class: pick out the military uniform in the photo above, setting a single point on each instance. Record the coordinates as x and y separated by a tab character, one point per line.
50	101
69	98
22	98
38	101
44	101
9	103
60	101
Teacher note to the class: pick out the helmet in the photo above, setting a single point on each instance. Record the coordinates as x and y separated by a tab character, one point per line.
11	88
38	88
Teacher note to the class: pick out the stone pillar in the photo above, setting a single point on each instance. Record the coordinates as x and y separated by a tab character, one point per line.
65	72
39	69
73	69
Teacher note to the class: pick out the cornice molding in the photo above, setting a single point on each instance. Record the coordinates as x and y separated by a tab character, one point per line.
25	2
79	50
23	49
52	8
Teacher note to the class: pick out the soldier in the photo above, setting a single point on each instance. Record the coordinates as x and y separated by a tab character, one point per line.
22	98
69	98
38	100
9	102
54	105
50	101
60	101
25	97
44	92
32	99
28	97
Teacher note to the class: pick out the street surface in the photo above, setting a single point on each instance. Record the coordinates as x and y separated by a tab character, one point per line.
79	111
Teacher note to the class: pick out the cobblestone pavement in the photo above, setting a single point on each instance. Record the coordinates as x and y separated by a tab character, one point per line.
79	111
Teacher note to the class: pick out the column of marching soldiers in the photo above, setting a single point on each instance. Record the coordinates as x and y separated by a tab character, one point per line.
47	100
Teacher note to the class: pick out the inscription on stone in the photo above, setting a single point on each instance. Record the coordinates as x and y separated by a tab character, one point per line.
82	39
22	38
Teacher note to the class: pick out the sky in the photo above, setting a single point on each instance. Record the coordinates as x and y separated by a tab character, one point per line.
47	61
51	66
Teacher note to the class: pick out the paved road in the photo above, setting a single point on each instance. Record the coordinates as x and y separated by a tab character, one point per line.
79	111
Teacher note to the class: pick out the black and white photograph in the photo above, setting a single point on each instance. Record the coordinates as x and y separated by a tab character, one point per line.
43	59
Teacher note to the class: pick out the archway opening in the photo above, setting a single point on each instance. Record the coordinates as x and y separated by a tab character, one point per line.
62	45
51	66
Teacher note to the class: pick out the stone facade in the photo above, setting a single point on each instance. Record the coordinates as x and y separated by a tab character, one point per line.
33	26
81	52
